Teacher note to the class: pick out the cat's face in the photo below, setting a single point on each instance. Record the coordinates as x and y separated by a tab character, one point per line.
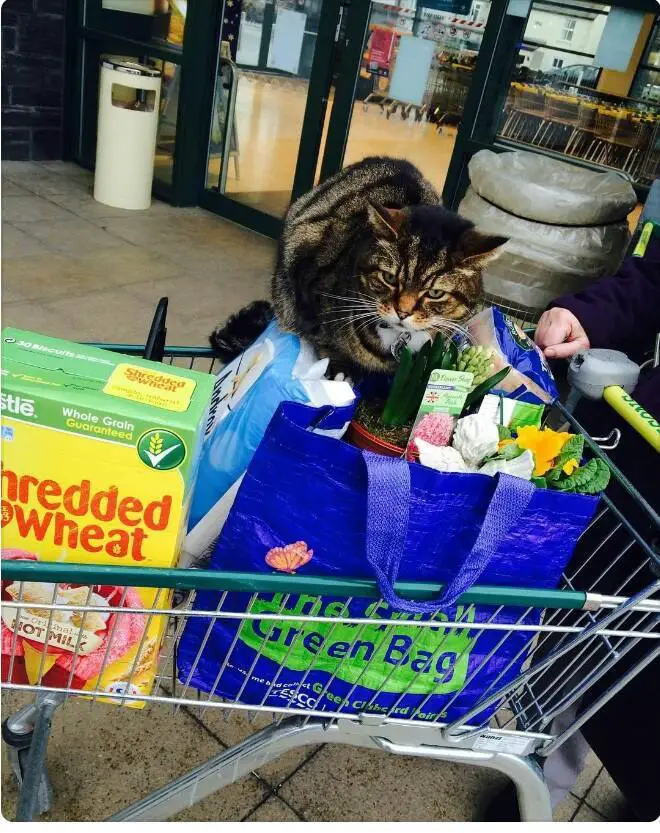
418	275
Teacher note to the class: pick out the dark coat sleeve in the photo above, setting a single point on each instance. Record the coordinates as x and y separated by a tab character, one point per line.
624	307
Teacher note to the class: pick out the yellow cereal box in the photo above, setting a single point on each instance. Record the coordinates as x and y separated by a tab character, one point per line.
99	455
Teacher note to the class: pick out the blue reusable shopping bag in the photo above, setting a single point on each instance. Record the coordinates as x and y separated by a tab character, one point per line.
367	516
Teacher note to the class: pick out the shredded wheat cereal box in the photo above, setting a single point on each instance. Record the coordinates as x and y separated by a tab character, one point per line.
99	456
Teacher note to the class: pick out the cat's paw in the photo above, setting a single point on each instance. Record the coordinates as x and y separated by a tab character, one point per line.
343	377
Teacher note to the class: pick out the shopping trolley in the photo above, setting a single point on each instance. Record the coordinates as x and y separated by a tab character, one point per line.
447	91
597	631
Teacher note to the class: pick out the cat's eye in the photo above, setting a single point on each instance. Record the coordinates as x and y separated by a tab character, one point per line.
438	294
389	278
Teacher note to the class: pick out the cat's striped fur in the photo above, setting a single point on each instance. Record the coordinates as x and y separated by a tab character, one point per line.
367	256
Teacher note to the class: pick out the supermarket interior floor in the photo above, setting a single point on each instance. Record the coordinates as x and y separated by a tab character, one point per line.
74	268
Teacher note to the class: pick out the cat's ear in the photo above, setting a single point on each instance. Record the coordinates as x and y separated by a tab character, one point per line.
386	222
475	247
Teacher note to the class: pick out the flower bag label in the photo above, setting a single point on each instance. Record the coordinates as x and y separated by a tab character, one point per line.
446	392
90	475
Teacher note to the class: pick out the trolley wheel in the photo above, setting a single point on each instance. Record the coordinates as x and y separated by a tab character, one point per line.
18	753
18	760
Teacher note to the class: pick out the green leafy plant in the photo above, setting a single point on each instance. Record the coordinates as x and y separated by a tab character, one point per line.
477	360
589	479
414	370
478	393
410	382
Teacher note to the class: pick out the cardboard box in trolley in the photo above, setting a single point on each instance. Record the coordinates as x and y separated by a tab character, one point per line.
99	455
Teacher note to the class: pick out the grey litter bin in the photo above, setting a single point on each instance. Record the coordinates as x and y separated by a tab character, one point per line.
129	98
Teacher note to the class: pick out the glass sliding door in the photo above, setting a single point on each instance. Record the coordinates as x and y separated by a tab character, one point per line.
416	71
261	105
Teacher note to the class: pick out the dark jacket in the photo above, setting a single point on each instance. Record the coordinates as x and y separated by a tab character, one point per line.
623	312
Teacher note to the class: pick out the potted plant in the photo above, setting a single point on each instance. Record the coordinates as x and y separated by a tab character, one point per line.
385	427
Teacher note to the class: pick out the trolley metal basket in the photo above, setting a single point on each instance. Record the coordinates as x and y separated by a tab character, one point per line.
597	631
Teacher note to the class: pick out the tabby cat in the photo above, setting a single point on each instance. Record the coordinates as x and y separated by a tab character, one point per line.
368	261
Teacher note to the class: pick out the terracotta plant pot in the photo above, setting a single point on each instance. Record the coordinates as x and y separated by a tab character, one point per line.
358	435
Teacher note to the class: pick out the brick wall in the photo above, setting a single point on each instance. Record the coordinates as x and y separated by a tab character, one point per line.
32	78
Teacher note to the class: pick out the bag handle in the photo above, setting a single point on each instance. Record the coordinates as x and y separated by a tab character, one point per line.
388	504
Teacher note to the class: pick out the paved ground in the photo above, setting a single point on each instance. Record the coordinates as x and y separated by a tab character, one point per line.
73	267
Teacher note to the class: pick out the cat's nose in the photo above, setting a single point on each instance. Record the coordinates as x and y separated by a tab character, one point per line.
405	305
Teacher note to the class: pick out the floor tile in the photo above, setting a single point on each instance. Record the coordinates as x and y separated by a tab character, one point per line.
45	183
10	168
74	236
237	727
11	189
84	205
605	796
121	263
587	776
20	243
102	758
231	803
47	275
37	318
32	209
585	813
566	810
143	229
273	810
112	316
353	784
216	293
68	169
190	331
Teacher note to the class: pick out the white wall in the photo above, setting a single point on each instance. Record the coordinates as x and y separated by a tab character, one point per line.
548	27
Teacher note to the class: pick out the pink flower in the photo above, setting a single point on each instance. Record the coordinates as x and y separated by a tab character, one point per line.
434	428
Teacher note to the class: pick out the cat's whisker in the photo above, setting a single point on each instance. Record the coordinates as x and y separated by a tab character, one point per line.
361	323
354	297
452	329
349	318
348	311
365	324
362	305
357	297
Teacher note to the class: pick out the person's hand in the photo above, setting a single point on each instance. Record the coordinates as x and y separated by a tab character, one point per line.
560	335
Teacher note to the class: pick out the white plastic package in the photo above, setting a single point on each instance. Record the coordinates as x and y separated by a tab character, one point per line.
278	367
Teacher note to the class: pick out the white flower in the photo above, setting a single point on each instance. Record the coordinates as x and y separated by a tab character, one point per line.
522	466
440	458
475	438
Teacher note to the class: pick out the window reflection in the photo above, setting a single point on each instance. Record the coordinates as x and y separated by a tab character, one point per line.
559	100
167	21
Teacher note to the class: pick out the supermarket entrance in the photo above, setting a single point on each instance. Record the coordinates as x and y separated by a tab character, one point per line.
262	99
309	86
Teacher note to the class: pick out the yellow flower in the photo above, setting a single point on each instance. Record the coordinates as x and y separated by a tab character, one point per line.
570	466
544	443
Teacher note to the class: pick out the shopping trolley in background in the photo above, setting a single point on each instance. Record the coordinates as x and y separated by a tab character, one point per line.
447	91
596	632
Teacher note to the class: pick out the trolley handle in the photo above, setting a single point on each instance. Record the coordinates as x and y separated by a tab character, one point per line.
610	375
